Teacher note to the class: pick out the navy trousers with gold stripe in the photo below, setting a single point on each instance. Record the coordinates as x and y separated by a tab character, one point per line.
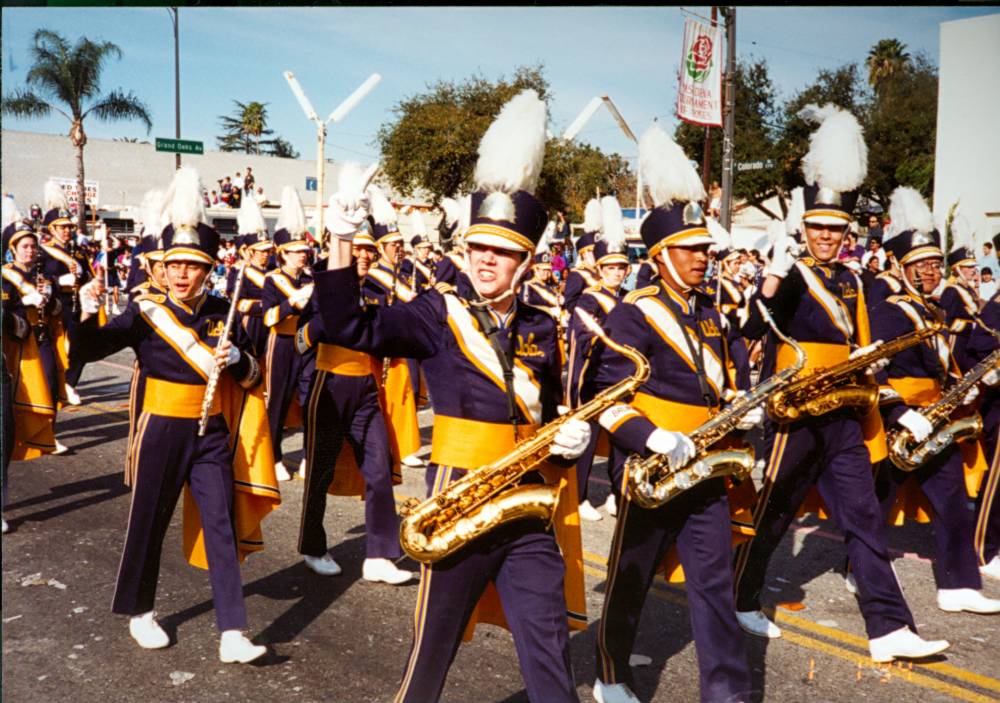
169	453
698	522
288	375
525	563
827	452
987	534
346	408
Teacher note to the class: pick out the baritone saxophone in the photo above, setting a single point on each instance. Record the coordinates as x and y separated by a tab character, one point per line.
490	496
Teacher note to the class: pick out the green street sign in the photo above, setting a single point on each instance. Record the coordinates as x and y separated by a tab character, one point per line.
180	146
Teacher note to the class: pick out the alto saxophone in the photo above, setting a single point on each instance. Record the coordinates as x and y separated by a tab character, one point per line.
486	498
908	454
847	384
651	482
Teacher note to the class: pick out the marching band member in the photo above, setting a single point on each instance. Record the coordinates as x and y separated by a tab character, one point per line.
256	248
960	298
915	375
540	290
343	404
177	339
286	293
149	219
646	275
68	269
418	270
612	268
583	275
982	343
451	268
478	413
32	327
818	302
676	326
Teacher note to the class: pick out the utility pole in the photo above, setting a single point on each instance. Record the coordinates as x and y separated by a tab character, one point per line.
706	158
727	145
177	81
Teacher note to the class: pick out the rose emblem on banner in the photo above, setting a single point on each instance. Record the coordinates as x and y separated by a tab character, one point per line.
699	59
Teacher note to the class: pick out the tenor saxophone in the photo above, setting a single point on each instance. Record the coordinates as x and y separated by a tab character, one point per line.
486	498
651	482
908	454
846	384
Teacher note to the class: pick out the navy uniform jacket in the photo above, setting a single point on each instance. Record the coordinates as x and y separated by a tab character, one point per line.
462	371
250	305
419	276
578	280
885	284
173	341
981	342
646	275
919	373
279	313
541	296
644	320
380	281
960	305
598	302
56	262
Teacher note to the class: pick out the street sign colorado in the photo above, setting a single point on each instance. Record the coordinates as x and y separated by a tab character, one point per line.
180	146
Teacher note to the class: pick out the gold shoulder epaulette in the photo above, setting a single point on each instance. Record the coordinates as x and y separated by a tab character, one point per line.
443	288
152	297
808	261
640	293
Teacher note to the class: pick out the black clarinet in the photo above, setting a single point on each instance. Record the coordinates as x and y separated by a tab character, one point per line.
41	328
71	250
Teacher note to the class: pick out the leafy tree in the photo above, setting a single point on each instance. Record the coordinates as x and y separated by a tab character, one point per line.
245	128
432	139
67	79
885	59
284	149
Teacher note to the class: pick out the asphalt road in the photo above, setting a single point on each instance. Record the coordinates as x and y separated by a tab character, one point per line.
344	639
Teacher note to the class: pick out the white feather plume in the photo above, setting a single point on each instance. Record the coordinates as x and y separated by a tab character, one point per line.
962	234
151	212
250	219
381	209
450	208
838	156
666	169
292	216
908	211
592	213
183	201
464	215
796	209
613	228
417	224
543	244
10	212
723	240
511	151
55	198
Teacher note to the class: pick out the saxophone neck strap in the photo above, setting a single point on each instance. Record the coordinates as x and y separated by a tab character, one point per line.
492	332
696	352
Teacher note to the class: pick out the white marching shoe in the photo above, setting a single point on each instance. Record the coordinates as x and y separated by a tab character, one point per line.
413	461
756	623
589	512
850	584
385	571
235	647
955	600
991	568
6	527
613	693
611	506
324	565
639	660
904	643
72	397
147	632
302	468
281	472
60	448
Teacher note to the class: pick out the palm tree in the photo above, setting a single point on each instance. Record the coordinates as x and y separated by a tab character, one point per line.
885	59
70	77
244	128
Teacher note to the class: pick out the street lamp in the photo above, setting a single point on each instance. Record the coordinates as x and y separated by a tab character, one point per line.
336	116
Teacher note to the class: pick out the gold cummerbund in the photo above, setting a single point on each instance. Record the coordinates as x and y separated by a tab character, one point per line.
287	326
343	361
670	415
470	444
176	399
917	391
820	355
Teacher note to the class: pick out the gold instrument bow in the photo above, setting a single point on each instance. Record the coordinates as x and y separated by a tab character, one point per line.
651	482
488	497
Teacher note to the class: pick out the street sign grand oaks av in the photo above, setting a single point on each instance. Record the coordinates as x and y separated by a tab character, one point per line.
180	146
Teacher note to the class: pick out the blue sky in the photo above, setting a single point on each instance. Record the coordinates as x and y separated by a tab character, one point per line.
630	53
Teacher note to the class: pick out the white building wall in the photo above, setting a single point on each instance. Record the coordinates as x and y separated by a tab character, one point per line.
967	153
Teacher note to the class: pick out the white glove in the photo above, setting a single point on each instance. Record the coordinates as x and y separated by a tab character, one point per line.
752	419
300	297
992	378
67	279
90	301
234	355
33	299
971	396
918	425
346	213
783	257
876	366
676	446
571	440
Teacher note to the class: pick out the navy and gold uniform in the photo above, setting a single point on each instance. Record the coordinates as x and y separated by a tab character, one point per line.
960	303
250	305
59	263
